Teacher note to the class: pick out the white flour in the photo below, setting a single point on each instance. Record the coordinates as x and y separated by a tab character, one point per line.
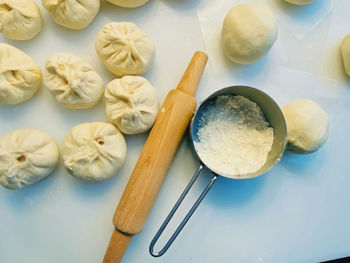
235	138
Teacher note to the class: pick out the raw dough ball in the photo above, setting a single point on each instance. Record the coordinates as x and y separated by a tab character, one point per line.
131	104
248	33
73	14
345	50
94	151
307	125
20	19
26	156
124	48
128	3
72	81
20	76
299	2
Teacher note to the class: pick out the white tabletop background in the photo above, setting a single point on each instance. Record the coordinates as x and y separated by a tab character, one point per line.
297	212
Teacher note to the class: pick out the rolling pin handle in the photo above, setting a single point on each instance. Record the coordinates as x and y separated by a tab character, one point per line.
193	73
117	246
187	217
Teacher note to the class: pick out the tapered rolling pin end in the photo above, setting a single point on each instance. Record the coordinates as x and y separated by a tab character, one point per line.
117	246
192	76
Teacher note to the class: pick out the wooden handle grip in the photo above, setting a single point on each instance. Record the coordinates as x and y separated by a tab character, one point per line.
117	246
192	76
161	145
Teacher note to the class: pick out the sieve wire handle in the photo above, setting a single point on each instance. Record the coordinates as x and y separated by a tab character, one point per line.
187	217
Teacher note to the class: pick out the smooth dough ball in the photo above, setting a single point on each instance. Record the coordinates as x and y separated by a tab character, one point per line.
299	2
128	3
20	19
73	82
26	156
345	51
307	125
125	49
94	151
248	33
20	76
131	104
72	14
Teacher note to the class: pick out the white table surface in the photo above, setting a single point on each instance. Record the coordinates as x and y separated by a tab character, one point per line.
297	212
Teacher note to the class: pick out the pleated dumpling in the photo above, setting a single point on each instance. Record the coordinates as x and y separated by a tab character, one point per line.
131	104
73	82
94	151
125	49
128	3
72	14
299	2
20	76
20	19
26	156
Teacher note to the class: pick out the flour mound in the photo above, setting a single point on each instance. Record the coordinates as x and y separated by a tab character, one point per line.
234	136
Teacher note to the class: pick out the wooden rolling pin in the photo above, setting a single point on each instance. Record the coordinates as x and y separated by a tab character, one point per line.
155	159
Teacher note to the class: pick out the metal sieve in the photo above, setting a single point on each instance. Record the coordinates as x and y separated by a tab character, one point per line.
273	115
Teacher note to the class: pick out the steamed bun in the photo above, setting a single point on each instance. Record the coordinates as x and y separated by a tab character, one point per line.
26	156
345	51
72	81
20	19
128	3
124	48
248	33
94	151
299	2
20	76
131	104
72	14
307	125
